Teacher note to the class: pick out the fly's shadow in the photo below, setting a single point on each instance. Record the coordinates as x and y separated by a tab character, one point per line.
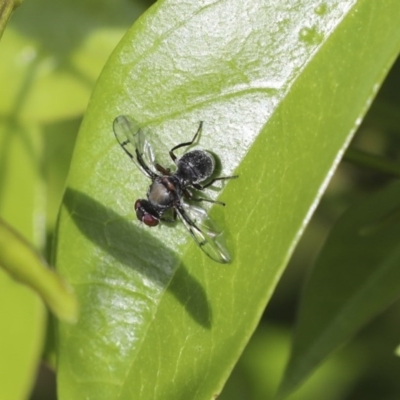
134	248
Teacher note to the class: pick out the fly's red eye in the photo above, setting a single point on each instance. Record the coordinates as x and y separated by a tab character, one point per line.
149	220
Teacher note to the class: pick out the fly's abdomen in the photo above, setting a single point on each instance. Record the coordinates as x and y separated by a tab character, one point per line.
196	166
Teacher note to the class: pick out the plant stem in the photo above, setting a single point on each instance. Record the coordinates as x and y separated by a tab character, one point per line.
6	8
372	161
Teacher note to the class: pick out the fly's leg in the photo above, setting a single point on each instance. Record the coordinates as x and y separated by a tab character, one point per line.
164	171
189	195
170	220
222	178
171	153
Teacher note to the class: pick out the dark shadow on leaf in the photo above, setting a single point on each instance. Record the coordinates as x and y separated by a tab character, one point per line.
133	247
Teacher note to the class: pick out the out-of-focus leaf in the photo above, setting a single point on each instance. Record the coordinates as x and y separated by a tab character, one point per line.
22	329
53	51
22	204
21	191
280	91
356	276
23	319
22	262
50	56
263	361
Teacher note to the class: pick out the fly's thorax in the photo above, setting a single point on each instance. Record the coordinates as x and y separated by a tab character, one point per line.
164	191
196	166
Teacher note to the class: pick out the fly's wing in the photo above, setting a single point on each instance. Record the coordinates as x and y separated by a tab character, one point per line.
203	231
133	141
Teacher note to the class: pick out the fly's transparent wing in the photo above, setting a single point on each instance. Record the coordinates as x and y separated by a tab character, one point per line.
204	232
132	139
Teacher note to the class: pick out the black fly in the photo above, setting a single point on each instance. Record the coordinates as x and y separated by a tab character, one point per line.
168	188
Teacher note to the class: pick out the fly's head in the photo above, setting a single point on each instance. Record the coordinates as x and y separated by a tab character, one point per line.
147	213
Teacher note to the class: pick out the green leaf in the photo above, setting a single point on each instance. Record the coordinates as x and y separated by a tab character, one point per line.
356	276
53	70
257	374
22	262
373	161
280	90
24	316
22	330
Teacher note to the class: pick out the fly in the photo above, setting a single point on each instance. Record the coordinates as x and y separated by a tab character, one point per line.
168	190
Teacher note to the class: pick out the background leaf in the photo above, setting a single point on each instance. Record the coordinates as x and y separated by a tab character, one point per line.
25	265
54	69
356	276
160	319
22	331
262	363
